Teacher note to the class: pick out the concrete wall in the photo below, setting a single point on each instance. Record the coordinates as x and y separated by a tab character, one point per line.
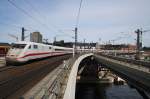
71	85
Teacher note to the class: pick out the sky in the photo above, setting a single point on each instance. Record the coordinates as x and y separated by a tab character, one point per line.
99	21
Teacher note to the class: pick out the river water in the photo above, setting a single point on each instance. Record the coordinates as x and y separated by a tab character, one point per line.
105	91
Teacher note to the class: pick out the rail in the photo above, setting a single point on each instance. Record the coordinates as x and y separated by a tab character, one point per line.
57	87
131	61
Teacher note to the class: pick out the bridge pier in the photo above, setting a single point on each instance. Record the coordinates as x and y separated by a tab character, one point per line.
71	84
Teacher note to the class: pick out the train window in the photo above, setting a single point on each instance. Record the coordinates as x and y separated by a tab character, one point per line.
20	46
59	49
29	47
35	46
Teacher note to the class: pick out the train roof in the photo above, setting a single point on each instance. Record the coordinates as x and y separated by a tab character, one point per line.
56	47
25	42
59	47
4	44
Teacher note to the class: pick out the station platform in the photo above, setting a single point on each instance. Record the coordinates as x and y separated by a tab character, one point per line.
2	61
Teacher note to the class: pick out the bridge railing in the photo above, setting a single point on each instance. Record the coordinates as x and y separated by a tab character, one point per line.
54	85
57	88
132	61
59	84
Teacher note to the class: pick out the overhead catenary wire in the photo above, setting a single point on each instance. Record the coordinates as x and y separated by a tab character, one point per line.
76	26
42	16
78	14
146	30
29	15
127	35
33	8
12	25
32	17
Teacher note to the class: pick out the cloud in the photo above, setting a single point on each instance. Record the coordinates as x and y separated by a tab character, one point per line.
99	18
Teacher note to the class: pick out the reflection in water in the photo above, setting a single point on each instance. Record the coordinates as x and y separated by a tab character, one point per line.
103	91
122	92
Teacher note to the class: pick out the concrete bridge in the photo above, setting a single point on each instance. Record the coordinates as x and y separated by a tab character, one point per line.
137	76
63	85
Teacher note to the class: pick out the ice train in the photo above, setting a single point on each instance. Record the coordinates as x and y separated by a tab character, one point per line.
23	51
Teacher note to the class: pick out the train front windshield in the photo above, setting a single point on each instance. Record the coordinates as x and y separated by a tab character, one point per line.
18	46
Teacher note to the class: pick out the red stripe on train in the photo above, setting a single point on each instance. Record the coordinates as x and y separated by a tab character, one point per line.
35	54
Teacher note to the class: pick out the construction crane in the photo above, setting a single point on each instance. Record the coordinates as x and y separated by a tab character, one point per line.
139	33
13	36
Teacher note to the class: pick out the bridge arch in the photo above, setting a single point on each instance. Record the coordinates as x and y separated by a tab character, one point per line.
71	84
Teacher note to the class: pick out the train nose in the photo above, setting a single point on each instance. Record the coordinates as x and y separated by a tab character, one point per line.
14	52
11	55
11	60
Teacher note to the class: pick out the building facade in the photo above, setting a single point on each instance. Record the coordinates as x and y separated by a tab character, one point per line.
4	47
117	47
36	37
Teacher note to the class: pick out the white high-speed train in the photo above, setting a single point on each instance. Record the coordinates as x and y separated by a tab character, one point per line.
23	51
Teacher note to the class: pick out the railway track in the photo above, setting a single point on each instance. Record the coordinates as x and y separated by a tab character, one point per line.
5	68
16	80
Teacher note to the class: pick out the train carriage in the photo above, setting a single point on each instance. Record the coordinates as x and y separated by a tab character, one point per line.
21	52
